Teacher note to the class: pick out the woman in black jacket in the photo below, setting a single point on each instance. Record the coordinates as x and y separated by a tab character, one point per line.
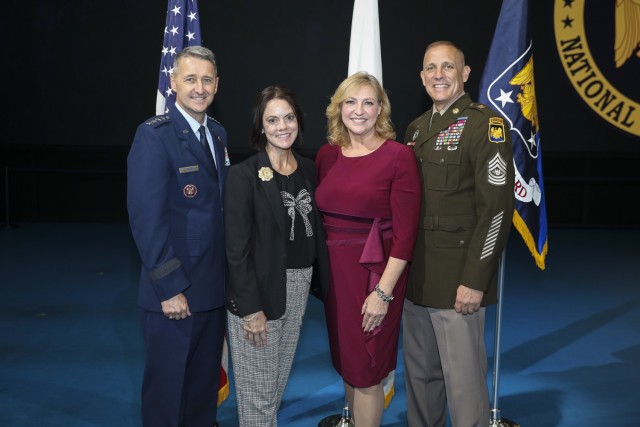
273	238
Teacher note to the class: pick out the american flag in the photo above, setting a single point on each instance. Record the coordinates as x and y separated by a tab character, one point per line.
182	29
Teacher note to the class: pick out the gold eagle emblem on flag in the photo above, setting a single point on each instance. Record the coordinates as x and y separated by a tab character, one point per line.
527	94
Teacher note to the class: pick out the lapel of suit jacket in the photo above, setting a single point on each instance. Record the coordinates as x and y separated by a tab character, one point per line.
272	191
422	133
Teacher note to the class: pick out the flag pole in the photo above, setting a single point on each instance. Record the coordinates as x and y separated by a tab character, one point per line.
495	411
364	55
496	420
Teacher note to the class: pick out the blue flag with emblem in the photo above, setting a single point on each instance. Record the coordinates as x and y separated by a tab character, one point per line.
507	85
182	29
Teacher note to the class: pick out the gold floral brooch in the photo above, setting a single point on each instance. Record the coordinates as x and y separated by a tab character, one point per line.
265	174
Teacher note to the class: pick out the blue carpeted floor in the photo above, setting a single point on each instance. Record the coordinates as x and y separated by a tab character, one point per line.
71	350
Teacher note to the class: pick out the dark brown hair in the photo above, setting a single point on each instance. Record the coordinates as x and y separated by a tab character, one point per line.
258	139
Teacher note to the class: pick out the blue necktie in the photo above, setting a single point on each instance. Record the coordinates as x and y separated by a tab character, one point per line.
203	140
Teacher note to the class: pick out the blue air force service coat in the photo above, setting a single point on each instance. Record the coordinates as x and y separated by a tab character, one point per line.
174	199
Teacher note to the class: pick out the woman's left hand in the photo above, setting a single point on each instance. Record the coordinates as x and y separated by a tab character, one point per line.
255	329
373	312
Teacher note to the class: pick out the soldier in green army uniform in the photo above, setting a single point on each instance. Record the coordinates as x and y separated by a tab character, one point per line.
466	165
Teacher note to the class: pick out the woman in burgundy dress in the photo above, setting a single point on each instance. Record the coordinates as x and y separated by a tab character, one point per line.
369	195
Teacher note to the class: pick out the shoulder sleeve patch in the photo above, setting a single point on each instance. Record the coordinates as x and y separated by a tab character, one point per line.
496	130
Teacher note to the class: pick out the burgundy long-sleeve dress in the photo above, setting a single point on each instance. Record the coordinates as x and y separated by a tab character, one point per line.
370	207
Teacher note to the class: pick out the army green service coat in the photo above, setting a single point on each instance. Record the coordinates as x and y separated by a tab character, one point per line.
467	169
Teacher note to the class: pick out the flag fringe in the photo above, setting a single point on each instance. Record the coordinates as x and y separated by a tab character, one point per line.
522	228
388	396
223	393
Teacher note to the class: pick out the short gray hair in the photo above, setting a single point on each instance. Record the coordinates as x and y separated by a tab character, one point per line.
195	52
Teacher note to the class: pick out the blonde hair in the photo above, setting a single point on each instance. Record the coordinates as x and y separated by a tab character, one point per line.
337	132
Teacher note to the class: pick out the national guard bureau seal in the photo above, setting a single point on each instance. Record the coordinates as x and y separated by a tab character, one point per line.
598	44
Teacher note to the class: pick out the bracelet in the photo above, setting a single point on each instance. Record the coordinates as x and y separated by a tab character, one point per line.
247	320
382	295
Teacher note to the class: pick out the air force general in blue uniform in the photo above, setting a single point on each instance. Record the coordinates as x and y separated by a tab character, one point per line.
174	198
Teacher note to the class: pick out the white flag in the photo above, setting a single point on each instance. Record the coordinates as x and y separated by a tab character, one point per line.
364	50
365	55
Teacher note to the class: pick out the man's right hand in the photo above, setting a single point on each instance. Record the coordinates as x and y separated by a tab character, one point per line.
176	308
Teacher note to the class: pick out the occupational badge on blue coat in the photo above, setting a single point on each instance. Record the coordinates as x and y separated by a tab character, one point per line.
496	130
190	191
